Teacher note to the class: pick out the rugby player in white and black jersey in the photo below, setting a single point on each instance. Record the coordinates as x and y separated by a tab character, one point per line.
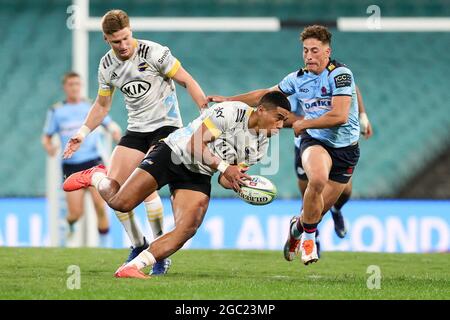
226	137
145	72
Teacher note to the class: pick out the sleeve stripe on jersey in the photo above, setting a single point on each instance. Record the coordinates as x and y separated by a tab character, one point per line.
212	128
287	94
341	94
143	50
174	69
104	92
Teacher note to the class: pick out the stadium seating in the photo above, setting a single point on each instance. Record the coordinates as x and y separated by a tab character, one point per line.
402	76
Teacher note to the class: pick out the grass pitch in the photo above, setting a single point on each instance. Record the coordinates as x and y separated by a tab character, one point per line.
41	273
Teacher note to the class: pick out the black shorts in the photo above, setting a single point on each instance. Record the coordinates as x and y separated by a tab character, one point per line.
69	168
344	159
142	141
159	164
298	165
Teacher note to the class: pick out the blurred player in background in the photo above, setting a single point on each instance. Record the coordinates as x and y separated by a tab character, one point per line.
64	119
330	132
145	72
226	138
338	219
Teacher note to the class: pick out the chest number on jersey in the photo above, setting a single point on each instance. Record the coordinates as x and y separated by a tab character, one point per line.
240	115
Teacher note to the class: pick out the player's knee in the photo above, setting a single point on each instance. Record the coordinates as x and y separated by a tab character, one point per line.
317	183
187	231
75	213
122	205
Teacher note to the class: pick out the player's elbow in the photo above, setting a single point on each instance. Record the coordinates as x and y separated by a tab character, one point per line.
341	120
46	141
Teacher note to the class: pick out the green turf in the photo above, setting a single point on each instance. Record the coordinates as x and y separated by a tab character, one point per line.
40	273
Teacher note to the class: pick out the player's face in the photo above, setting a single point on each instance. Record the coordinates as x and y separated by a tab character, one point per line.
271	120
122	43
316	55
72	88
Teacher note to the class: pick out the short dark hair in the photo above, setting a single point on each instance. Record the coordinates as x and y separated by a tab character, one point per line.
68	75
115	20
318	32
275	99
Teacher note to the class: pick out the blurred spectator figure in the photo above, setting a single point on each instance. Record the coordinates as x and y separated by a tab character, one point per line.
64	118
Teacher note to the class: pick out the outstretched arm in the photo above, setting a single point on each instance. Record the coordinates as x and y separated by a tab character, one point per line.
291	118
337	116
184	79
49	147
251	98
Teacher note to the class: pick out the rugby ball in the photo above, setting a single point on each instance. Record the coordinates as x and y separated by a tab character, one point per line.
258	191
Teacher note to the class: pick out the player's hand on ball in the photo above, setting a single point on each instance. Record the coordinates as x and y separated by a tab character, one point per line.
236	176
72	146
298	127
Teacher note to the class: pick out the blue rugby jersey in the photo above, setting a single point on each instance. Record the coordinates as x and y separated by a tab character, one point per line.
65	119
313	94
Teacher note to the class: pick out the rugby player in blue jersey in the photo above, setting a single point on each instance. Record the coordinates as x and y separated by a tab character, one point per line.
338	219
63	119
329	147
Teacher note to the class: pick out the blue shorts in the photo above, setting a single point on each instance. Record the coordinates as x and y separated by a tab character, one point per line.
344	160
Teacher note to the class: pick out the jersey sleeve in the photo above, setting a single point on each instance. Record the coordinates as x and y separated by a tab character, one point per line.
287	85
221	119
104	88
340	81
164	61
295	107
51	125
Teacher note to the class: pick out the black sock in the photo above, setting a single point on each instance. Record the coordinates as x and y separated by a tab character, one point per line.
310	227
342	201
103	231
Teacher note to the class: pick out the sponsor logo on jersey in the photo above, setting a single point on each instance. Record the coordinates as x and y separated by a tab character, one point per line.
331	67
164	56
114	76
219	112
142	66
343	80
318	103
150	162
304	90
247	154
324	92
135	88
